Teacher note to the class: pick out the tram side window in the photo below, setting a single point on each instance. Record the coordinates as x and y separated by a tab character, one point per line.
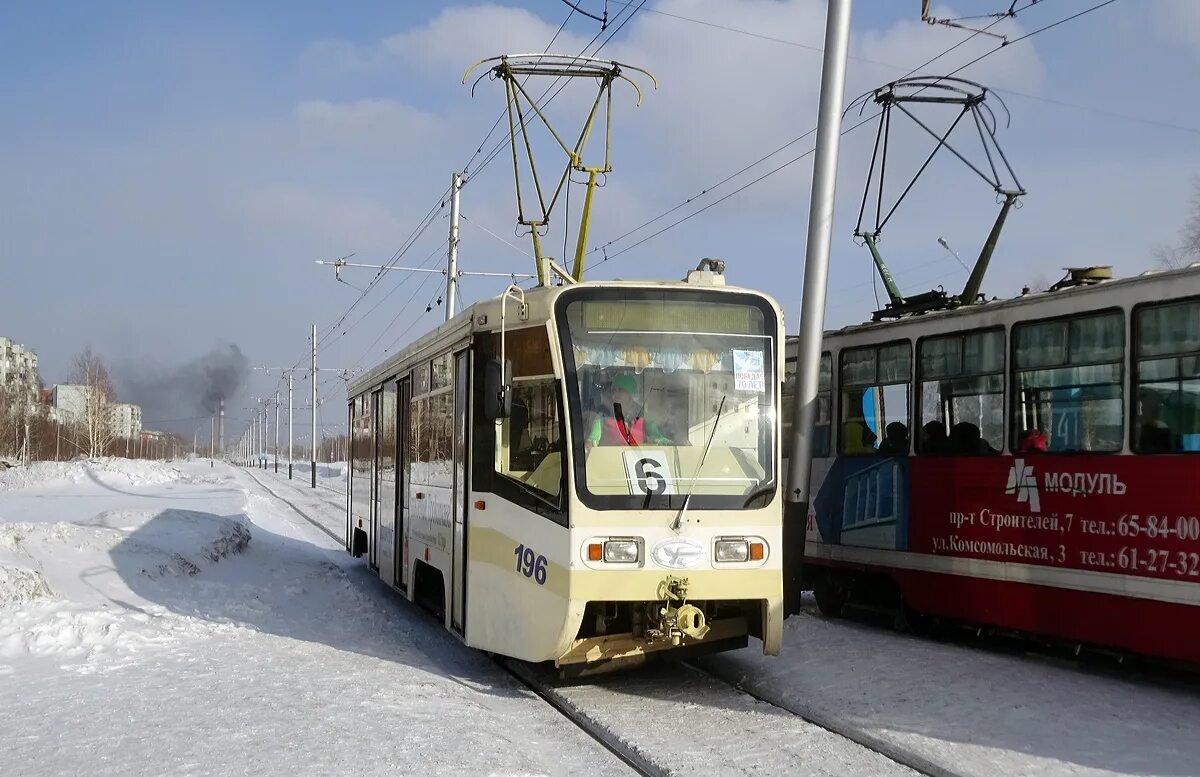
524	450
361	457
875	399
962	394
821	427
1068	393
1167	372
431	427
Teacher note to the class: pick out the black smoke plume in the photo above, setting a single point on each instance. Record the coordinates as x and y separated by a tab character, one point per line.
172	398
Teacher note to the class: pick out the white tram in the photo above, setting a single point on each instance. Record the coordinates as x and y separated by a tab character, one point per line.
584	474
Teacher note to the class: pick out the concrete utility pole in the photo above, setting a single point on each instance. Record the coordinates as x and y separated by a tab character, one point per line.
313	375
276	431
212	440
266	429
816	281
452	254
289	426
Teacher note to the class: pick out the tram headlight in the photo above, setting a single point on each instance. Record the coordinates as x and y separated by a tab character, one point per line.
727	551
621	551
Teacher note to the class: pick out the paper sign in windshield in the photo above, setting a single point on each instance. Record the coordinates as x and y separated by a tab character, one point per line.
748	372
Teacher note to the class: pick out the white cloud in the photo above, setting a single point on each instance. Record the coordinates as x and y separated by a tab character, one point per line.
298	213
369	123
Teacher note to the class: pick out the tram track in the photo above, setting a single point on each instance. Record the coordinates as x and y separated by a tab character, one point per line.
889	750
623	751
296	508
647	757
676	696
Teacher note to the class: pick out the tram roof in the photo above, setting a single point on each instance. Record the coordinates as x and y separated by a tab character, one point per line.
484	316
1124	292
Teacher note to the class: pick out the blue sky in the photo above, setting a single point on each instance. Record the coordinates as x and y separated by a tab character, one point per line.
172	170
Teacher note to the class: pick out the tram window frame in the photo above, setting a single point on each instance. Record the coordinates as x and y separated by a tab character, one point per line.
1015	370
920	379
822	429
876	383
431	414
361	438
1136	381
485	472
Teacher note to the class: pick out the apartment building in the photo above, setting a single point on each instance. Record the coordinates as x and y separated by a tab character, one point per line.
18	371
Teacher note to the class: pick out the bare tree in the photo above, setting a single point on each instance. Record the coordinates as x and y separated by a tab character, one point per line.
92	374
1186	250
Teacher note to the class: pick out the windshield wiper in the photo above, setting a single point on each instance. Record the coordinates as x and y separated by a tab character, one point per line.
677	524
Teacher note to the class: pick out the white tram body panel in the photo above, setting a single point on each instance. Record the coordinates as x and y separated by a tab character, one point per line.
499	522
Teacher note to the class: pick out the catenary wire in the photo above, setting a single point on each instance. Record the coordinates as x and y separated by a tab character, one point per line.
769	173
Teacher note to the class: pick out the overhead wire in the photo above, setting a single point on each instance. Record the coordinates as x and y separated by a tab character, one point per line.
603	248
542	100
1013	11
328	332
500	118
747	168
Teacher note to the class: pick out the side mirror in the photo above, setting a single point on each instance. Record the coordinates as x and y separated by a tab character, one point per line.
497	389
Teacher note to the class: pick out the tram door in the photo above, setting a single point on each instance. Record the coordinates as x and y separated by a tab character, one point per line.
404	458
384	507
373	420
462	376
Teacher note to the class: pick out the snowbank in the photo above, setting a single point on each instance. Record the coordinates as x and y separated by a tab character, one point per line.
110	471
58	580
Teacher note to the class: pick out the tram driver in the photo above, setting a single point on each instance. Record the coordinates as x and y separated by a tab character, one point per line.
621	420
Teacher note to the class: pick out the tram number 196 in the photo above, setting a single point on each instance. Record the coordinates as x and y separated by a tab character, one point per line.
530	564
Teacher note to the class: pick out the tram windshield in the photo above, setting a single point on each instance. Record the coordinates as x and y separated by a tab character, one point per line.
671	392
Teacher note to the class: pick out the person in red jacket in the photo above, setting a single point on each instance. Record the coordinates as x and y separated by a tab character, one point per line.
626	425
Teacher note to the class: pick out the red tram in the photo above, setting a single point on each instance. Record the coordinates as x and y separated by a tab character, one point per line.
1031	464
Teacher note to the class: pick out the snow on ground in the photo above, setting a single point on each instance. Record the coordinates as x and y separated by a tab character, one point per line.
965	710
971	711
175	618
163	619
111	471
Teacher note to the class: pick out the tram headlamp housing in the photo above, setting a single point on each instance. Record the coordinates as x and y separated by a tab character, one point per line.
728	551
621	551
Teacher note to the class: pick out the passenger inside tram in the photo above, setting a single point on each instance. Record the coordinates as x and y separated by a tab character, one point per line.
895	439
933	439
1154	435
966	440
1033	441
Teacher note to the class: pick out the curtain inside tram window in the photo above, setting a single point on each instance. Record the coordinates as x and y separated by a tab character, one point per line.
875	399
1167	414
1068	390
962	394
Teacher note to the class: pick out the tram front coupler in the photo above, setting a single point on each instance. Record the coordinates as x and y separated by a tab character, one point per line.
673	617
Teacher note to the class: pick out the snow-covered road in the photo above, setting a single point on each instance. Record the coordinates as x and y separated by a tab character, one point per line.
179	619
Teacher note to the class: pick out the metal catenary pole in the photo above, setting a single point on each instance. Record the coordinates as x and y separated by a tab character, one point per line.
276	431
452	253
266	431
313	377
816	277
289	426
